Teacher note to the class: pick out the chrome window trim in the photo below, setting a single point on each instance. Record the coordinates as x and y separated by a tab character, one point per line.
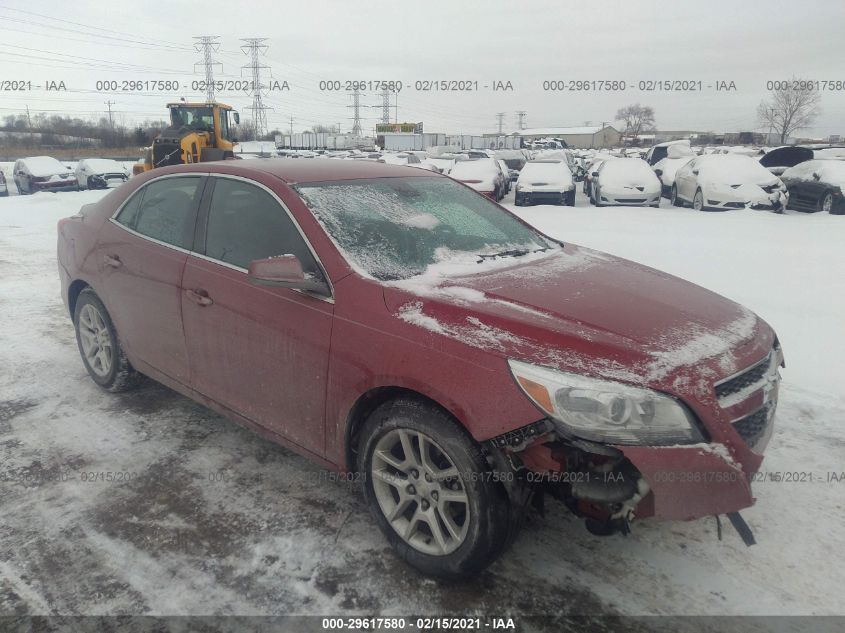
113	219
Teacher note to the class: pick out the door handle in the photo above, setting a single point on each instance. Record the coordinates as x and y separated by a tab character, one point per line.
112	260
200	297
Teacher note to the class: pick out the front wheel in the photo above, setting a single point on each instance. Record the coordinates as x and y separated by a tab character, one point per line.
99	346
698	200
673	197
826	203
430	491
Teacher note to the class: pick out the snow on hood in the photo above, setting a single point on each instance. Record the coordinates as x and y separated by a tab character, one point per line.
43	166
583	311
480	169
679	150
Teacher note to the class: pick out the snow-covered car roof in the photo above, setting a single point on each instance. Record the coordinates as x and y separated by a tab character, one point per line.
830	171
628	169
547	171
732	168
44	166
103	165
481	168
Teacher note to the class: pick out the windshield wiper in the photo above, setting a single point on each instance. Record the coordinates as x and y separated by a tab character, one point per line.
511	253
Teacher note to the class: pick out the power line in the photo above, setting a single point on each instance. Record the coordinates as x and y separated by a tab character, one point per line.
254	47
208	44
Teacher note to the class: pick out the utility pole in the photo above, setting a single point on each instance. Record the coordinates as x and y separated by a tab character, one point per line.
291	127
254	47
500	116
521	116
356	112
109	104
771	125
208	44
29	125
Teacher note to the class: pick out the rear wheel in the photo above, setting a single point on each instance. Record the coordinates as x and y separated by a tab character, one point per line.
825	203
427	487
99	347
673	197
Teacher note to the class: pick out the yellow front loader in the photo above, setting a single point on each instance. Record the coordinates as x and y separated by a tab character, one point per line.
198	132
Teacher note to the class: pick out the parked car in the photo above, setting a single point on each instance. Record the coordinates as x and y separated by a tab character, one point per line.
625	182
4	189
482	174
658	152
518	366
677	156
400	159
515	159
100	173
816	185
728	181
506	174
42	173
780	159
593	167
545	182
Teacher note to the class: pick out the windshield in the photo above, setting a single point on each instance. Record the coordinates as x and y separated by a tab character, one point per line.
394	228
197	118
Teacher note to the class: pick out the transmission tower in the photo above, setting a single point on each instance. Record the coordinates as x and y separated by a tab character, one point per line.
207	44
254	47
385	106
356	112
521	115
500	117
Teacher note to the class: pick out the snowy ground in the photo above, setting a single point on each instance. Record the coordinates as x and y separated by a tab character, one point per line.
214	519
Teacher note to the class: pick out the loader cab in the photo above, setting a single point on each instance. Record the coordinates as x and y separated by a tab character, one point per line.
216	119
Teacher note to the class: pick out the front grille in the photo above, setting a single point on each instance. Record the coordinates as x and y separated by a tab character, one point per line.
166	154
749	377
752	428
630	200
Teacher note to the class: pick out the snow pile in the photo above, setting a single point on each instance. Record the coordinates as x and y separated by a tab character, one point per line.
44	166
733	169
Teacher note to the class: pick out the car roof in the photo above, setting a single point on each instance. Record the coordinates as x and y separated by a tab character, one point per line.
302	171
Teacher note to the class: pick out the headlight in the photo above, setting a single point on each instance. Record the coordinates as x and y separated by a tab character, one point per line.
606	411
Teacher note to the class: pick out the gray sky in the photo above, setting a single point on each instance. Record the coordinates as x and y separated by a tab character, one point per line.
524	42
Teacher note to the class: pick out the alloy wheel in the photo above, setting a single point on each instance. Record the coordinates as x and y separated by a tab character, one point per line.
96	340
827	203
698	201
420	492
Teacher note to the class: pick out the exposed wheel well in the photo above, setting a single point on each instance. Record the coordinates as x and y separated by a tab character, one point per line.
368	403
73	294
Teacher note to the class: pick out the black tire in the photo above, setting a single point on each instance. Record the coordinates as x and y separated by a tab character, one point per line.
674	199
518	202
596	199
825	201
121	375
490	525
570	199
695	195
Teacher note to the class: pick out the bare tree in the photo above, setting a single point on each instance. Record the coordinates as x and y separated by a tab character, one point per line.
636	118
788	110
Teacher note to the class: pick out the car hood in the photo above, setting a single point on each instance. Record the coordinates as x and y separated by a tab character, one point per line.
587	312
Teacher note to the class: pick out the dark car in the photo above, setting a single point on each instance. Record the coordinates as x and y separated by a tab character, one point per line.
394	323
816	185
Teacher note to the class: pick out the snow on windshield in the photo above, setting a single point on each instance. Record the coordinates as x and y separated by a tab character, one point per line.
45	166
733	169
552	173
394	228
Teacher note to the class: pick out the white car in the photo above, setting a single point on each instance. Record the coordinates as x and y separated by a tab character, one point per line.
626	182
546	182
100	173
677	156
506	174
482	174
42	173
728	181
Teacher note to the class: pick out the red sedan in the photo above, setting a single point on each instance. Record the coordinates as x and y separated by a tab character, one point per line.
392	322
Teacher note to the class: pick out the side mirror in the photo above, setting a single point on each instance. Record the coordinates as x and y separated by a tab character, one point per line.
817	175
695	172
285	271
595	174
658	172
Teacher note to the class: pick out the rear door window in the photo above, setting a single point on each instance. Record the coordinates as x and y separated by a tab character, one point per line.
164	210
